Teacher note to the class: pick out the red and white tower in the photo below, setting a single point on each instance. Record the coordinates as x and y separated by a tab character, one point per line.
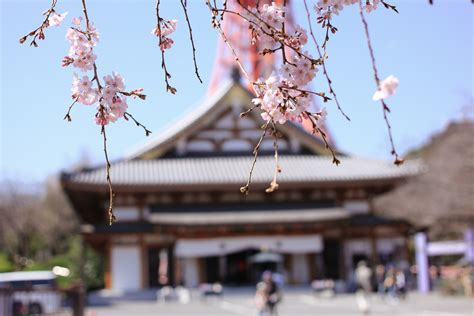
238	34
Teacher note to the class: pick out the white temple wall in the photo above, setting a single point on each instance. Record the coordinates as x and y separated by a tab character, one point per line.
126	268
191	272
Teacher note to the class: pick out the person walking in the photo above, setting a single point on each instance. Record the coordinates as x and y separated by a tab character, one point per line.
261	298
363	276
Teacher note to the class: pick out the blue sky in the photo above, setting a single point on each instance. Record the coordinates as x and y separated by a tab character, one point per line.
429	48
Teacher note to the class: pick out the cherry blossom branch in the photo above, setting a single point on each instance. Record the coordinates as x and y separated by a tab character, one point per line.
325	22
277	35
169	88
39	31
398	160
112	217
323	63
216	24
303	91
128	116
68	116
185	10
89	37
101	114
244	113
245	189
316	129
390	6
274	184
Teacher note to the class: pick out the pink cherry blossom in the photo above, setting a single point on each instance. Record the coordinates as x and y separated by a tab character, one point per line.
118	108
166	43
102	118
115	81
83	91
56	19
387	88
77	21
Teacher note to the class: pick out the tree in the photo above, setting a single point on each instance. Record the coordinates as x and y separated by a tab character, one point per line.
284	95
34	225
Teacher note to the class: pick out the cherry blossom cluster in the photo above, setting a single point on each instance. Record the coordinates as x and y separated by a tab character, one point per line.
111	99
112	104
284	95
264	23
52	18
386	88
325	8
55	19
81	54
163	30
267	25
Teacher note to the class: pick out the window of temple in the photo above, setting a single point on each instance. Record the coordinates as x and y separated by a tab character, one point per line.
127	213
357	206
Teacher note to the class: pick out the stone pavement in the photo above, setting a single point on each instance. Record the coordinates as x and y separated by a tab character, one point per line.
300	302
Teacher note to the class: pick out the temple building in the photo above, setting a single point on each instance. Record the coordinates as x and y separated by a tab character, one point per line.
180	193
182	219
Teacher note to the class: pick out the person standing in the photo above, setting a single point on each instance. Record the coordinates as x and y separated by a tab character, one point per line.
379	279
273	293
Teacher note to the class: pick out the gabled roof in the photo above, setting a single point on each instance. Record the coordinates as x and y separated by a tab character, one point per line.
220	172
228	94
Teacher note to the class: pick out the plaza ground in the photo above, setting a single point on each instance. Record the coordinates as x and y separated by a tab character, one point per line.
299	302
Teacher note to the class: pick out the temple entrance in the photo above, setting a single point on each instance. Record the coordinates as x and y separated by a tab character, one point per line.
239	261
239	269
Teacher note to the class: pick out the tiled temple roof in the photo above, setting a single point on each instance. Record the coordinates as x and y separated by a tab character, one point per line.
234	170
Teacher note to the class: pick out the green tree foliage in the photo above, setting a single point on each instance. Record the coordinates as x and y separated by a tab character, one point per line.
39	230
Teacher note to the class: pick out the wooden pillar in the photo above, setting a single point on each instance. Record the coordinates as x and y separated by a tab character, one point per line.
171	266
342	257
201	262
222	268
374	258
144	262
178	277
108	265
311	257
287	260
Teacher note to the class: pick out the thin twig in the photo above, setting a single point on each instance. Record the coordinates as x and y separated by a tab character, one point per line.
398	160
282	35
39	31
127	116
89	37
217	25
322	58
102	111
163	62
185	9
317	129
112	217
242	114
68	114
246	187
274	184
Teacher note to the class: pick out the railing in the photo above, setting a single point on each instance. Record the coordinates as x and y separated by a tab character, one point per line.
41	301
